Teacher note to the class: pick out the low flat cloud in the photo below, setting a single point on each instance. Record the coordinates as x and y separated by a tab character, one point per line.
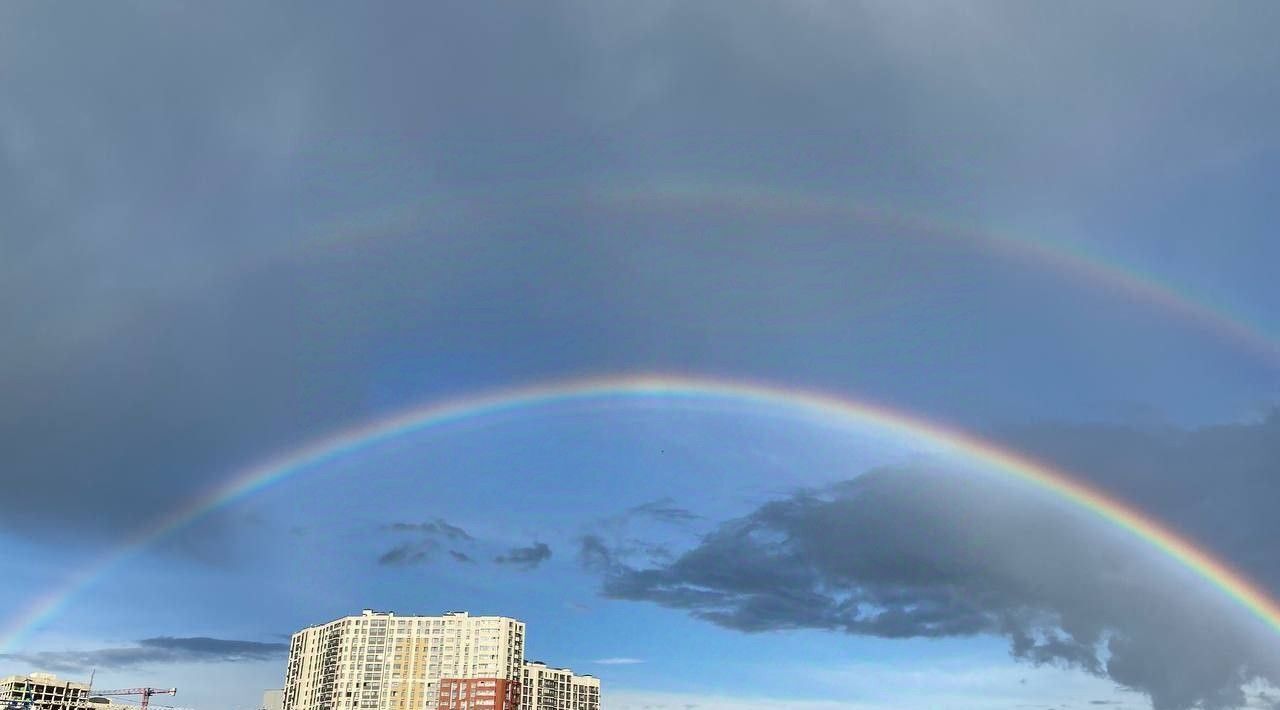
158	650
525	557
937	552
618	661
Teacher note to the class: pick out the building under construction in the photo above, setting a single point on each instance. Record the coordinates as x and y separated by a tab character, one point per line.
43	691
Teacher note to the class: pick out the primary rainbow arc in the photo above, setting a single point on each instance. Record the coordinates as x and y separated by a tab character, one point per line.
823	405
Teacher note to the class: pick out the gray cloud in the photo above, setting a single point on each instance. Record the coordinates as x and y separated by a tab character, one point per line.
165	314
1218	483
595	554
409	553
432	535
664	510
525	557
622	536
434	528
162	649
936	553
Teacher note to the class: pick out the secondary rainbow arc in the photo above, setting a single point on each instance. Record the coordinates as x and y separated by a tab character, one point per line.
1072	262
825	406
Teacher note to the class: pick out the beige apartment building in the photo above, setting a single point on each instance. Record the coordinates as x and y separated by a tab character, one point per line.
43	691
382	661
547	688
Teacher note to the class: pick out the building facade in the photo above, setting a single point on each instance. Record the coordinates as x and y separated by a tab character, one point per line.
547	688
273	699
43	691
382	661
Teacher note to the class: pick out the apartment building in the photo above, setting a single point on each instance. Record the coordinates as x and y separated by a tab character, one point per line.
383	661
547	688
43	691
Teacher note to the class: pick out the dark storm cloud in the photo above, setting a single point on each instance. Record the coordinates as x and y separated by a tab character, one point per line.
169	320
1216	484
170	181
159	650
525	557
939	552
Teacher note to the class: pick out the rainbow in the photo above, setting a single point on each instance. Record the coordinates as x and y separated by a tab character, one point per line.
1070	261
721	199
672	390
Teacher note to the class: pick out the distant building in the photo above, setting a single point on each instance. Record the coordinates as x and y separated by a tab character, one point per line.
100	703
273	699
547	688
43	691
381	661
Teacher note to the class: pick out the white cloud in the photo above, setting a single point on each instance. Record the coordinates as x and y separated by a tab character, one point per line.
618	661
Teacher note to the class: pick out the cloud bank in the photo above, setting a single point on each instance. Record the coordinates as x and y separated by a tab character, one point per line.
932	552
158	650
180	314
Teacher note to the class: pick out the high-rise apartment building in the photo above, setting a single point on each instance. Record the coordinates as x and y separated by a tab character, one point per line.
547	688
381	661
43	691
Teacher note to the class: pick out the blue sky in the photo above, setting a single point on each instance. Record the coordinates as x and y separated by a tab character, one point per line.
226	231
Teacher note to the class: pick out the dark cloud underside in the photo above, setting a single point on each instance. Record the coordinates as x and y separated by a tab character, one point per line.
936	553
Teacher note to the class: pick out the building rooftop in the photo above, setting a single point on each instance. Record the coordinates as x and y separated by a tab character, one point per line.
38	678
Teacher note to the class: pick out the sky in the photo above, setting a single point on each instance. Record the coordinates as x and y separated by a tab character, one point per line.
232	230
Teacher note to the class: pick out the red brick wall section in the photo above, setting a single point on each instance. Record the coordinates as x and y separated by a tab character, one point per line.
478	694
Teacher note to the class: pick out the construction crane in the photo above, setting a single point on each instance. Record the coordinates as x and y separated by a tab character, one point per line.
153	706
146	693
